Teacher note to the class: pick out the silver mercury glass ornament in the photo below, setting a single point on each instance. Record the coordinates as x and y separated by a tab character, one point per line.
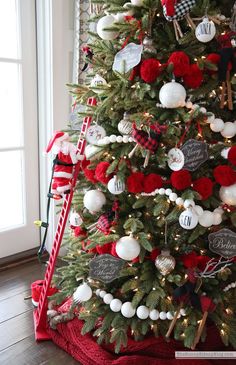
148	45
165	263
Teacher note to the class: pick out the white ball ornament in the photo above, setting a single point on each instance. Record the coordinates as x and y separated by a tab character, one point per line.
142	312
137	2
97	292
205	31
198	209
172	95
169	316
127	248
179	202
119	17
154	315
116	186
228	194
116	305
229	130
175	159
217	218
83	293
188	203
217	125
94	200
108	298
92	152
173	197
127	310
182	312
163	316
206	219
188	219
128	11
96	82
106	22
102	293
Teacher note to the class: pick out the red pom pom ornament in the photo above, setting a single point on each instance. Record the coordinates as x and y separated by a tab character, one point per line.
180	62
100	172
181	179
232	155
224	175
152	182
204	187
150	70
135	182
194	78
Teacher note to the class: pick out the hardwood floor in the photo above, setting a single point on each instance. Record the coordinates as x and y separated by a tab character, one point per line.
17	343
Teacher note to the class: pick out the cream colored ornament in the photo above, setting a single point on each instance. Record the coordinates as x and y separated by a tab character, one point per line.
172	95
228	194
106	22
165	263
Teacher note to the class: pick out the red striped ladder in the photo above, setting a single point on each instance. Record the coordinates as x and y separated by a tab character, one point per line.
40	313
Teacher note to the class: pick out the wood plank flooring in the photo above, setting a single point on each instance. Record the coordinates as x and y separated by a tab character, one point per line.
17	343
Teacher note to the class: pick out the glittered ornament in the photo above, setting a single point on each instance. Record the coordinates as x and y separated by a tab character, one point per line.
188	219
172	95
165	263
125	125
95	133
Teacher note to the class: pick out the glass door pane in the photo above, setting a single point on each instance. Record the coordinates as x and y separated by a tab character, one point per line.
9	29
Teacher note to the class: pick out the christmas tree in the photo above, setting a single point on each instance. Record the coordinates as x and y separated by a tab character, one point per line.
151	243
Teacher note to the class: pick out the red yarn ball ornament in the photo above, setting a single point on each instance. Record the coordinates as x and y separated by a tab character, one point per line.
194	78
181	63
135	182
181	179
152	182
224	175
90	175
100	172
150	70
204	187
232	155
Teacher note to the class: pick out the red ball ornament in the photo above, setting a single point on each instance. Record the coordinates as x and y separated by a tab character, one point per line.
100	172
135	182
181	63
202	261
181	179
204	187
224	175
232	155
152	182
194	78
150	70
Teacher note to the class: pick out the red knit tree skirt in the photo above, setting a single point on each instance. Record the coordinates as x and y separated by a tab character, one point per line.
150	351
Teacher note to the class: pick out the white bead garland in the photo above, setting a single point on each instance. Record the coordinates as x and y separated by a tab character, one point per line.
230	286
227	129
113	139
206	218
142	311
